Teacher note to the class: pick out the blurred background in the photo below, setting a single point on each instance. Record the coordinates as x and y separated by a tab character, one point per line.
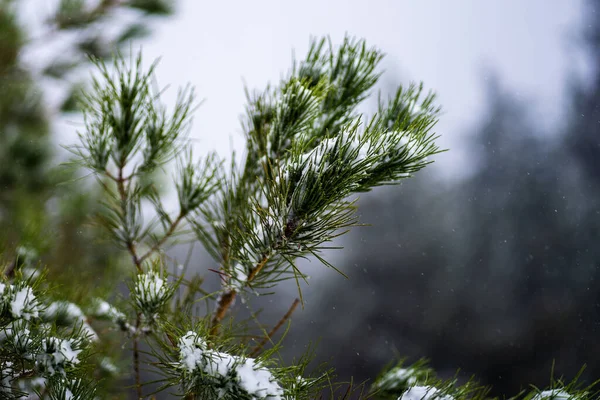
486	261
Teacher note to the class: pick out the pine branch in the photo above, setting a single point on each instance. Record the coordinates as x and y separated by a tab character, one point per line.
273	331
227	299
124	210
165	237
136	358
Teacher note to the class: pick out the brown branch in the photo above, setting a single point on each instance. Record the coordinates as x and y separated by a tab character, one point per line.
116	179
162	241
136	260
136	358
123	197
226	300
120	180
10	271
111	176
257	269
273	331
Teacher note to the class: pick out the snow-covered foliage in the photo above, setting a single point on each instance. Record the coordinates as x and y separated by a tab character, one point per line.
19	301
68	313
226	375
151	292
58	355
396	378
424	393
103	309
556	394
239	276
41	342
309	153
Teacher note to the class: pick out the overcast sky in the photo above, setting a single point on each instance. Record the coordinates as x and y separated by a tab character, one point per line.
449	45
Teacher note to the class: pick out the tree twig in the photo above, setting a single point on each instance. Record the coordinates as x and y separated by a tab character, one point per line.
226	300
273	331
162	241
136	357
123	197
138	263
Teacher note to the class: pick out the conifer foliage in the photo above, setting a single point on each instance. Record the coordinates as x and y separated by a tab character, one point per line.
308	152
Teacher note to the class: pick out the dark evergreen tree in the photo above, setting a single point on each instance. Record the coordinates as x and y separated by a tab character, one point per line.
500	274
44	208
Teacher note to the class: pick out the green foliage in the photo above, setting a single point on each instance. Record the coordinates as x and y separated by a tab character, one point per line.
405	383
42	208
308	153
26	176
308	150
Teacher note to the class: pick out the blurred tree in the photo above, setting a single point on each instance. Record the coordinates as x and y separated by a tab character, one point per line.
500	276
42	208
583	128
34	211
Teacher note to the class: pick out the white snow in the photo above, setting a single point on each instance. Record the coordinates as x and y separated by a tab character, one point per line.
258	381
250	376
218	363
105	309
239	278
150	292
57	354
32	386
24	304
72	311
6	331
21	338
26	253
424	393
107	365
371	151
314	158
6	376
151	287
89	332
18	334
554	394
191	348
288	99
397	377
73	314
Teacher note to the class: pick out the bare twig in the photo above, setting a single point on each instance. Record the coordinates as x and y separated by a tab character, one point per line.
136	357
10	271
273	331
226	300
123	197
162	241
138	263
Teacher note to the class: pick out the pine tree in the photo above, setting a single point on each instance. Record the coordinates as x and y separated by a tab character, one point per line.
44	215
309	154
36	212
